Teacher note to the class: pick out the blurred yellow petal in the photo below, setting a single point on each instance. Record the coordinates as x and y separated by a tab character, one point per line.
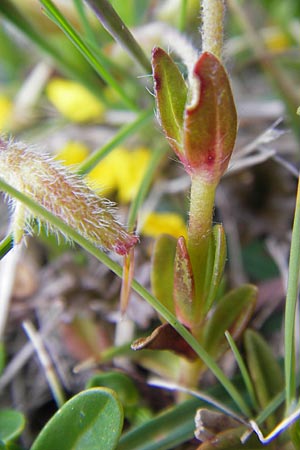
164	223
74	101
6	107
103	178
275	39
72	153
122	171
131	171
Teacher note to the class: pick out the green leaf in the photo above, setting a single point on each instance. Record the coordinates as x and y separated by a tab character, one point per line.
210	123
214	277
264	369
124	387
92	420
232	313
171	94
184	288
12	424
93	59
118	382
244	371
162	272
117	28
168	430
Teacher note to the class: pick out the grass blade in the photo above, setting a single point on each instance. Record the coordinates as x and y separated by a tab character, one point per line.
243	370
116	27
55	15
6	245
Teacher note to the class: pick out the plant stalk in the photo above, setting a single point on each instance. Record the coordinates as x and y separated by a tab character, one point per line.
199	232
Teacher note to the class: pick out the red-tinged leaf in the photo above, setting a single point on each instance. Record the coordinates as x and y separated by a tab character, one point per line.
128	269
184	289
171	94
210	123
232	313
165	337
162	270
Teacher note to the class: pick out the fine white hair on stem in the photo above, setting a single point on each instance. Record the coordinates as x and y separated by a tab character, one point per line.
182	46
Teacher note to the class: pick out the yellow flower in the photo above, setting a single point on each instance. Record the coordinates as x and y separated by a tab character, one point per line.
275	39
131	173
164	223
103	178
6	107
74	101
122	171
72	153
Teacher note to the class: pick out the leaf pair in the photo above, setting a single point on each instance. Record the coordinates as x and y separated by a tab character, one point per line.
189	309
173	284
201	133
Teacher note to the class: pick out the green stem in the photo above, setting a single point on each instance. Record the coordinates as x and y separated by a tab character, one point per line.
199	232
290	308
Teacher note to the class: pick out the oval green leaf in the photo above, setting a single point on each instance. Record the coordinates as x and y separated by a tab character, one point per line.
232	313
118	382
184	288
91	420
171	94
162	270
216	268
11	424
